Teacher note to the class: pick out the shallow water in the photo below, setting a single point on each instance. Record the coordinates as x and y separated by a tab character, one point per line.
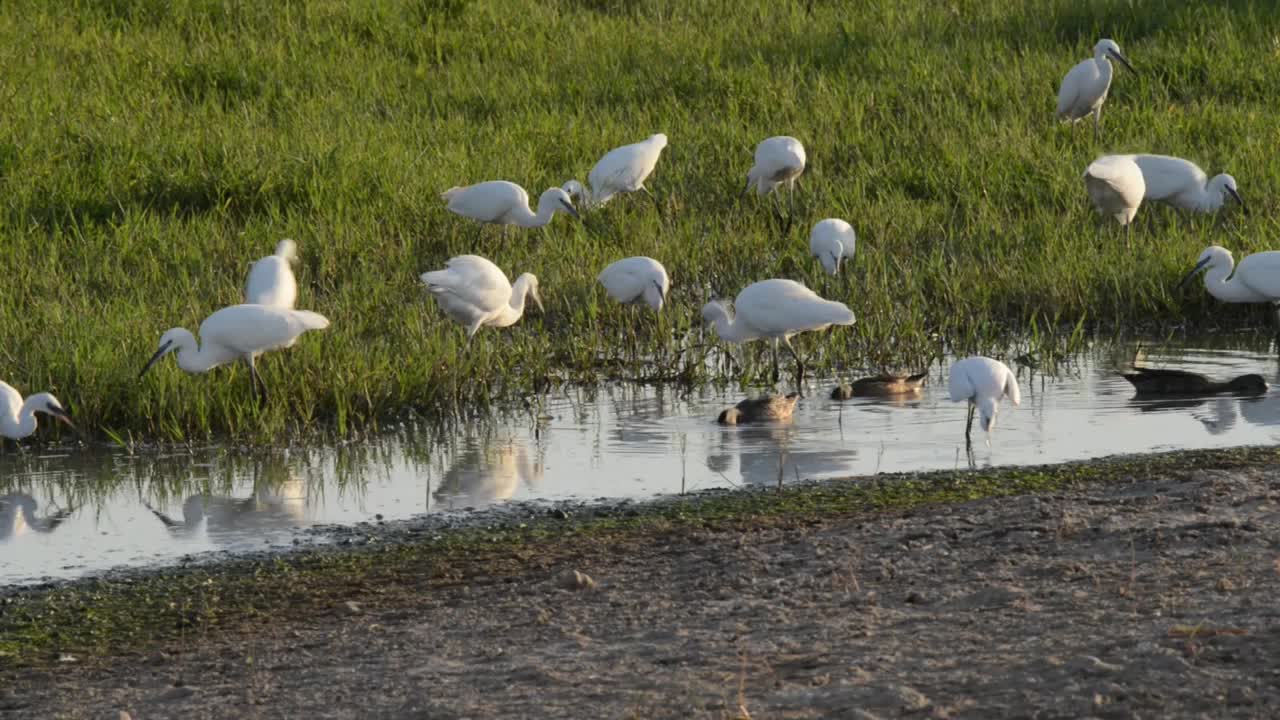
70	514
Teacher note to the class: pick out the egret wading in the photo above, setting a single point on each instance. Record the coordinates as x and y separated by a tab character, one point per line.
775	310
621	170
499	202
239	332
1085	87
1256	278
831	241
636	281
982	382
271	280
1182	184
1116	188
779	161
474	292
18	417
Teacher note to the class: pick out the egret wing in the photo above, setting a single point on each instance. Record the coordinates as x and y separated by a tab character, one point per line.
1260	272
1166	176
10	400
257	328
487	201
777	307
473	280
271	282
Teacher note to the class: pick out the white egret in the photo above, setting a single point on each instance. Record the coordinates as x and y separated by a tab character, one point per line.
779	160
982	382
499	202
271	280
1085	87
18	418
1182	184
1256	279
1116	187
238	332
636	280
621	170
775	310
830	241
474	292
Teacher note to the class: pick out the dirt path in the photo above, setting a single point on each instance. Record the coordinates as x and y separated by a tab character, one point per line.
1153	599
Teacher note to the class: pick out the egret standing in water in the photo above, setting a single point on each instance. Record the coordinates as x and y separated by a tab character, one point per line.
775	310
982	382
474	292
1085	87
1182	184
1116	187
271	280
831	241
621	170
779	160
239	332
499	202
18	418
1256	280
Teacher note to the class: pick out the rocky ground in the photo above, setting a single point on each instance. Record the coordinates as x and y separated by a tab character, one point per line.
1155	598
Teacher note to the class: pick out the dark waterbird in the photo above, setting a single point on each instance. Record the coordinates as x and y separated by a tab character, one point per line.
768	408
1156	382
880	386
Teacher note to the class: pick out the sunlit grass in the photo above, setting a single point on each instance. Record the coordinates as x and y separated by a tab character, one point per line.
151	150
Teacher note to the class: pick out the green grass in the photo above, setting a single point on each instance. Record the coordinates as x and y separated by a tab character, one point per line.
111	616
152	148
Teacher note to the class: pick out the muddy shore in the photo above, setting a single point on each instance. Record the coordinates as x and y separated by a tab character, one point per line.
1145	591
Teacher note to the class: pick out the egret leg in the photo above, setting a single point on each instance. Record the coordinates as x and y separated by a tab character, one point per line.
258	385
968	426
656	205
775	362
1097	123
799	364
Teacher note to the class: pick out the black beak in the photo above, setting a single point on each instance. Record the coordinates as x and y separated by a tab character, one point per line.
58	412
1120	57
1199	266
569	209
155	358
1239	199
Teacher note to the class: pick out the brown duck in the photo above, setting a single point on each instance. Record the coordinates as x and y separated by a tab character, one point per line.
1150	382
768	408
881	386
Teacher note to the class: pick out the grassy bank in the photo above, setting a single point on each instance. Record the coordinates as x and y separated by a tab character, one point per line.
122	615
152	149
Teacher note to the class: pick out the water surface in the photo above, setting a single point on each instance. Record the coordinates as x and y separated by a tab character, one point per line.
68	514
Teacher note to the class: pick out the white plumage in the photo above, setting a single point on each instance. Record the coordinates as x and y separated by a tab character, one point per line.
271	280
1116	186
238	332
621	170
505	203
18	417
1085	87
830	241
636	280
474	292
1182	184
779	160
983	382
775	310
1256	279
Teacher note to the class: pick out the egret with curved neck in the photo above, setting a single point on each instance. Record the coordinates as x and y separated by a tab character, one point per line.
500	202
474	292
18	417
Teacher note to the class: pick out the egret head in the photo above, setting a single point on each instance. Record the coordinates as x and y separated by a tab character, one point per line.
658	139
556	200
987	409
172	340
287	249
530	283
1225	185
1213	256
1108	48
49	405
576	192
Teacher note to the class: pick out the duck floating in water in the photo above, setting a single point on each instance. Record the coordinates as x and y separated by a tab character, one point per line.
1152	381
880	386
769	408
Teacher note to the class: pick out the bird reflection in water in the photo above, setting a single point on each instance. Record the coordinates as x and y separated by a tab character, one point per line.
271	507
772	453
486	474
18	516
